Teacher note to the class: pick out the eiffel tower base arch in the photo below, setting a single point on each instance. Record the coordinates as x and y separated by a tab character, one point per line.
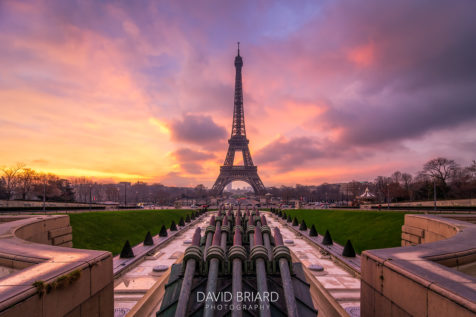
248	174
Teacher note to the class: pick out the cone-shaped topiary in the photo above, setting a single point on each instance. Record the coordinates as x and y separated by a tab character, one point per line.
327	240
187	219
290	219
284	216
313	231
193	215
280	213
348	250
295	222
303	226
148	239
181	223
163	231
127	251
173	226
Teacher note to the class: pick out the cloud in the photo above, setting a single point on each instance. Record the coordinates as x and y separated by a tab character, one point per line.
289	154
191	161
197	129
327	85
192	168
418	77
40	162
189	155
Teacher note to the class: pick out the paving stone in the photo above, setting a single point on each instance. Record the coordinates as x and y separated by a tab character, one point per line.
175	255
154	256
135	285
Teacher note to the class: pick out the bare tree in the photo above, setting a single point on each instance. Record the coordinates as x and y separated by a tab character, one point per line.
26	179
397	177
440	168
46	186
10	178
407	182
472	169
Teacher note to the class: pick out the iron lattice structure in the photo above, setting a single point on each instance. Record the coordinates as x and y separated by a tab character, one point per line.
238	142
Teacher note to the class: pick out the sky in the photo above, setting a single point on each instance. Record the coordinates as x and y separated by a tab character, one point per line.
143	90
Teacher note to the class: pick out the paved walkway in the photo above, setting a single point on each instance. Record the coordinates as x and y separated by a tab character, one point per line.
132	286
342	285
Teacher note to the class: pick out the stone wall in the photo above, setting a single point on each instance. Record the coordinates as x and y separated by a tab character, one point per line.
417	230
49	278
428	203
422	279
52	231
28	203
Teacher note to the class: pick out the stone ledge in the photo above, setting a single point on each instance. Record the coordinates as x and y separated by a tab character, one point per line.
60	232
46	263
413	231
414	278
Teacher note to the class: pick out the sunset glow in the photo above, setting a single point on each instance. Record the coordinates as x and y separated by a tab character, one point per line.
333	91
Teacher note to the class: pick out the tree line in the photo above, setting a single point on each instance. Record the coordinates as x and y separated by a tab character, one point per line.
450	180
20	182
24	183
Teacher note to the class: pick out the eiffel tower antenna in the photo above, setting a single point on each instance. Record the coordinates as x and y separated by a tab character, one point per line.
238	142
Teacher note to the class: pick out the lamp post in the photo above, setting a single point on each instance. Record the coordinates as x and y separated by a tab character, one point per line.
125	194
44	195
388	196
434	193
90	195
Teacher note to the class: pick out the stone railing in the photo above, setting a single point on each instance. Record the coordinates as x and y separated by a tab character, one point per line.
433	276
457	203
46	277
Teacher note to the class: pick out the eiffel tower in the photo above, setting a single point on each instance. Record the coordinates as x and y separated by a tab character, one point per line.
238	142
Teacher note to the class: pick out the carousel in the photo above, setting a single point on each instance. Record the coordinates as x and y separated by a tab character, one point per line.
366	198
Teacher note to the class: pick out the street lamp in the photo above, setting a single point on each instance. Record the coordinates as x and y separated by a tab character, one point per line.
388	196
90	195
125	194
44	195
434	193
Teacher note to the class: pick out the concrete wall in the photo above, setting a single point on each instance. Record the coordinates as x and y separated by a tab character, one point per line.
81	280
422	279
24	203
428	203
417	230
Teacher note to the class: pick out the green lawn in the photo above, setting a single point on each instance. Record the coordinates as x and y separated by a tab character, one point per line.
365	229
108	230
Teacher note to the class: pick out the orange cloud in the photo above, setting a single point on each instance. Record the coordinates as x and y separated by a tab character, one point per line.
363	55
